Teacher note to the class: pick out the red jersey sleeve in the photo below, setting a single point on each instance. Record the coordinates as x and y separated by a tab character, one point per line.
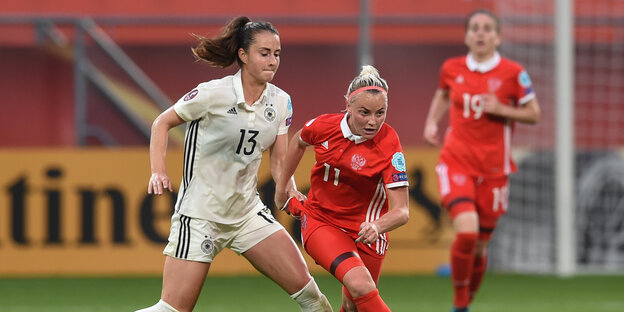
525	87
394	174
444	76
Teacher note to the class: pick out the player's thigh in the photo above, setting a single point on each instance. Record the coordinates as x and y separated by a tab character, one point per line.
330	247
492	203
271	250
182	282
278	257
457	189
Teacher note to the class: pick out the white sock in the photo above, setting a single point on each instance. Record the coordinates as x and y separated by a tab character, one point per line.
310	299
160	306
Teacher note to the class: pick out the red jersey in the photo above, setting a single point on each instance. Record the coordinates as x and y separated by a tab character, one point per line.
479	142
350	176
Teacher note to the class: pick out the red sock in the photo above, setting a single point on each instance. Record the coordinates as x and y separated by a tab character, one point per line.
462	259
478	270
371	302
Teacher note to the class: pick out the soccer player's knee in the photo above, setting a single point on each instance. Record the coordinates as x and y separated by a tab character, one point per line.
358	281
361	288
160	306
311	299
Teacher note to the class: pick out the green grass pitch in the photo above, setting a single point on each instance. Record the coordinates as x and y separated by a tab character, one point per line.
500	292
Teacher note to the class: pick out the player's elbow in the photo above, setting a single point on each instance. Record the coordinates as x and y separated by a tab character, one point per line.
403	216
534	113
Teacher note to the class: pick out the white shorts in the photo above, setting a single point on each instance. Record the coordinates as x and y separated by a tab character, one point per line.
201	240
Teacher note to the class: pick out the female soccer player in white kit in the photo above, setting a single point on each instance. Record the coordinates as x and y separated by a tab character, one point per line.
232	121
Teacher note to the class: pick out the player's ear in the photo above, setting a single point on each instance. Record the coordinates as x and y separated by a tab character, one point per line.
242	55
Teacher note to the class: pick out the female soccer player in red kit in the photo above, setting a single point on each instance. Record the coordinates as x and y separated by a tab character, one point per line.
359	167
486	94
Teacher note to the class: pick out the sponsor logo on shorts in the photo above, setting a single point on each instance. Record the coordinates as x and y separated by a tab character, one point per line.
207	246
459	179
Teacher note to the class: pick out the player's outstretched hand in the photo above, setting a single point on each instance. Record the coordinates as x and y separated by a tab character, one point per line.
157	183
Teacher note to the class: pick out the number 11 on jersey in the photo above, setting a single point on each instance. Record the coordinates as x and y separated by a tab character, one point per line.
327	170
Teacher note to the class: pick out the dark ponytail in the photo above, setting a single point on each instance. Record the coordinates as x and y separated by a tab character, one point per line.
222	51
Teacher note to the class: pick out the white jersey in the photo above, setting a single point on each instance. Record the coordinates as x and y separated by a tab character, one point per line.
225	140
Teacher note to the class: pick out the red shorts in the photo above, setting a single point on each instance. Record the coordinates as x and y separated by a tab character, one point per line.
462	192
336	250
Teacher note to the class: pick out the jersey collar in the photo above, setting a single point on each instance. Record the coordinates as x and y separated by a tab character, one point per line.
240	95
483	67
238	88
346	132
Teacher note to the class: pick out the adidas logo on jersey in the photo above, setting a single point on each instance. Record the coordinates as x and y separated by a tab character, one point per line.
325	145
232	111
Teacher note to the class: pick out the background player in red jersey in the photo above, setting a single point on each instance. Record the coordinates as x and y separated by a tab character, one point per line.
486	94
359	166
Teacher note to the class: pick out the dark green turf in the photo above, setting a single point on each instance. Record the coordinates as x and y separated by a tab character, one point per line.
500	292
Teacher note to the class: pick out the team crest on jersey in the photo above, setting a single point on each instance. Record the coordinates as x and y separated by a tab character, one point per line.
357	162
189	96
524	80
207	246
269	114
459	179
459	79
398	161
494	84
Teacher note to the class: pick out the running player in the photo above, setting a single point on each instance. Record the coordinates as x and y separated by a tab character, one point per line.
486	94
359	167
232	121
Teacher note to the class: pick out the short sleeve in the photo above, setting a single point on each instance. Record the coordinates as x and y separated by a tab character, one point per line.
193	105
525	87
307	132
286	119
395	175
444	72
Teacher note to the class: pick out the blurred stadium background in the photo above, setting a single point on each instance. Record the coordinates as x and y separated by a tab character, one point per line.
82	81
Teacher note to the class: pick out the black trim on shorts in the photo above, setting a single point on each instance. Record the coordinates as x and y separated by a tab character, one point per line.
264	217
485	230
184	238
457	201
340	259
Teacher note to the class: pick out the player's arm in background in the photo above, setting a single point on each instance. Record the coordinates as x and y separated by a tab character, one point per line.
293	154
439	106
528	112
158	150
